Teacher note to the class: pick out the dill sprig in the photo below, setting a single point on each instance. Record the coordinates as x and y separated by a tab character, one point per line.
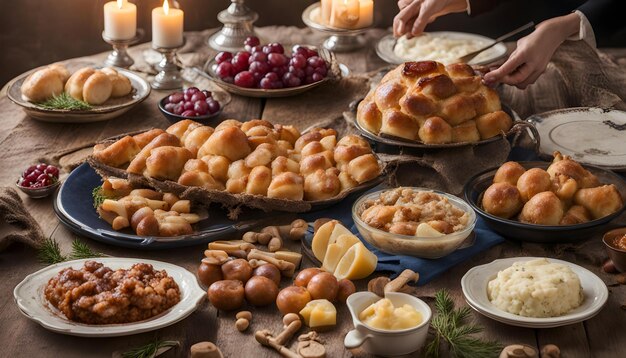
450	326
149	350
80	250
49	252
65	101
98	196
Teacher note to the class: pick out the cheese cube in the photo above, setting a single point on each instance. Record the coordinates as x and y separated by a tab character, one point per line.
325	235
336	250
319	313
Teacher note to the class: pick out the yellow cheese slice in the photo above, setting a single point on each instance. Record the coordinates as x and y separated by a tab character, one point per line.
326	235
425	230
319	313
336	250
357	263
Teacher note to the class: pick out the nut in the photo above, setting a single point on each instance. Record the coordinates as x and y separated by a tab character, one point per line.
242	324
290	317
244	314
550	351
275	244
215	257
286	268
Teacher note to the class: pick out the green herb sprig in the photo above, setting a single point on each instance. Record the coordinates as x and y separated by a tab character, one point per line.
50	253
149	350
98	196
451	327
65	101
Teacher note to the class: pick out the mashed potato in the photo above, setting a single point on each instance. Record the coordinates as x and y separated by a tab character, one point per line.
442	48
536	288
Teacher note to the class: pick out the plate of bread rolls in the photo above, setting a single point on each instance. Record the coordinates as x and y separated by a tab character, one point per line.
556	201
77	92
428	105
256	164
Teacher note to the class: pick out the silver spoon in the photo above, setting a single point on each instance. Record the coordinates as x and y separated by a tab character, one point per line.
467	58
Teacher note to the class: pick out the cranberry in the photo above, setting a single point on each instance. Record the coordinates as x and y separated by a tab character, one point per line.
188	106
189	113
198	96
207	94
223	57
244	79
213	106
201	107
175	97
225	69
52	170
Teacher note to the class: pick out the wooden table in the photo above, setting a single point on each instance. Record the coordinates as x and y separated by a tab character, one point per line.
23	140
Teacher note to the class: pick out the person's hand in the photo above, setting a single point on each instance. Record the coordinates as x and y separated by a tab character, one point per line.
414	15
533	52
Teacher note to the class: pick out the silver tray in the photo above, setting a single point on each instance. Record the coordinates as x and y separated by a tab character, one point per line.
112	108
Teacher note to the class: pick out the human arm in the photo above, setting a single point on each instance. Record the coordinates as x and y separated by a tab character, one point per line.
414	15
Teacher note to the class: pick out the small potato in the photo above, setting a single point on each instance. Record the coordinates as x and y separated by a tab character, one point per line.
226	295
323	286
346	288
292	299
260	291
238	269
209	274
268	270
304	276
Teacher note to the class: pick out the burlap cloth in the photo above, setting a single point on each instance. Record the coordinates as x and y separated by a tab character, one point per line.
16	224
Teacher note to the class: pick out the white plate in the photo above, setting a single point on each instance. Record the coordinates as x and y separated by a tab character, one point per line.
589	135
385	48
31	300
474	285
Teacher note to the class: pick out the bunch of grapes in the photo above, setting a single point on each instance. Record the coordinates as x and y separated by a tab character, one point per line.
39	176
268	66
192	103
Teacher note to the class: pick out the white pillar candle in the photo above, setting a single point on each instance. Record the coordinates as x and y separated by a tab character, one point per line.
167	26
366	14
326	9
344	14
120	20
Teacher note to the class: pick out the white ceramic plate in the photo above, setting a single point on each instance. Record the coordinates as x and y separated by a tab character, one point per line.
589	135
474	285
385	48
30	298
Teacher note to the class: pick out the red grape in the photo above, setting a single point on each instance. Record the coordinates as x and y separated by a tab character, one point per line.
29	170
266	83
252	41
178	109
207	94
188	106
170	107
322	71
32	177
198	96
309	70
201	107
41	167
240	63
175	97
291	80
225	69
259	67
244	79
277	59
311	53
256	49
46	181
298	72
300	50
275	47
258	56
308	80
316	61
317	77
189	113
272	76
213	106
298	61
192	90
223	57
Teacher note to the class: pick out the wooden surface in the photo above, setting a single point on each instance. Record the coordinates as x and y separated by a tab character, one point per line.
23	140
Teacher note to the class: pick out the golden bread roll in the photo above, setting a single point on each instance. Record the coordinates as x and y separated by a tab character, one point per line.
287	133
259	131
166	163
564	165
364	168
346	181
502	200
195	165
42	85
465	132
180	128
228	123
142	139
196	138
435	131
138	164
236	186
283	164
600	201
509	172
542	209
565	187
343	154
246	126
493	124
306	139
322	185
312	148
230	142
575	215
201	179
352	139
415	91
238	169
259	180
312	163
329	142
97	89
118	153
61	70
218	166
286	186
121	84
533	181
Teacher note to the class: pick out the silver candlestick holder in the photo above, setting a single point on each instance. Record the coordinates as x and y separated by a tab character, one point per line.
119	57
169	76
340	40
238	20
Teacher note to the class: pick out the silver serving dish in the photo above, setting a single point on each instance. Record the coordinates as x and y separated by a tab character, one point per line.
112	108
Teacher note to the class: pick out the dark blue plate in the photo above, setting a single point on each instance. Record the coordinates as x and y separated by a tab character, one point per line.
73	206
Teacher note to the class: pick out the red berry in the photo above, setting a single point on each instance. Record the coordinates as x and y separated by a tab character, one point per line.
187	106
175	97
207	94
244	79
240	63
213	106
266	83
259	67
223	57
192	90
41	166
252	41
52	170
201	107
225	69
276	59
198	96
258	56
189	113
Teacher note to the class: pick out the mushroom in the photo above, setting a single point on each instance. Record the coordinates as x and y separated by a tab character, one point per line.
205	350
286	268
377	285
310	346
278	343
273	236
400	283
215	257
236	248
519	351
550	351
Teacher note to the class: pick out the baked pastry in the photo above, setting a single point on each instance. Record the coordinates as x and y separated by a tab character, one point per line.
509	172
543	209
434	104
532	182
599	201
89	85
45	83
166	163
503	200
121	85
230	142
576	214
564	165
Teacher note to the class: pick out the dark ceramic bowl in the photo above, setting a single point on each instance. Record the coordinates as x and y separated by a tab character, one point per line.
513	229
617	255
221	98
37	193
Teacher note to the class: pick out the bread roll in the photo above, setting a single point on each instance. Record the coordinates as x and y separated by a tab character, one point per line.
238	169
218	166
343	154
261	156
542	209
259	180
322	185
437	86
121	84
195	165
237	186
509	172
286	186
142	139
399	124
283	164
465	132
166	163
230	142
493	124
201	179
458	109
370	116
346	181
196	138
364	168
502	200
118	153
61	70
312	148
138	164
600	201
435	131
533	181
315	162
42	85
181	127
228	123
564	165
287	133
575	215
246	126
387	95
306	139
565	187
352	139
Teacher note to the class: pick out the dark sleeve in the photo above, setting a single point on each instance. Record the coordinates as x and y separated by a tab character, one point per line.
478	7
604	16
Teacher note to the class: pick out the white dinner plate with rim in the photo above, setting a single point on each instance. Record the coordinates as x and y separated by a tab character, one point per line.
589	135
385	48
31	300
474	285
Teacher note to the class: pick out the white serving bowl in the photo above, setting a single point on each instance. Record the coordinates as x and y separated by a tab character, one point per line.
381	341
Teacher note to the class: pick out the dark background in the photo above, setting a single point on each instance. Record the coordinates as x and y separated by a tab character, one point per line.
38	32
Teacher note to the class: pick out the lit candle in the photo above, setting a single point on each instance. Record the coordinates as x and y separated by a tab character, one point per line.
344	14
366	14
167	26
120	20
325	10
